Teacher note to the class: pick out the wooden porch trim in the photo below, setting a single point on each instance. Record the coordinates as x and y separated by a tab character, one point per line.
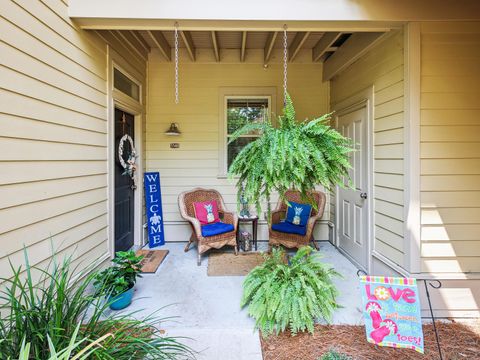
216	50
244	44
297	43
356	45
161	43
269	46
324	44
187	39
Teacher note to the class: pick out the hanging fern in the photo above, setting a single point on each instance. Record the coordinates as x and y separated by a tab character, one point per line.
296	155
291	296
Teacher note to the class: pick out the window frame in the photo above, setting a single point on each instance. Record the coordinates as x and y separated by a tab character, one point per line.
119	94
246	97
225	94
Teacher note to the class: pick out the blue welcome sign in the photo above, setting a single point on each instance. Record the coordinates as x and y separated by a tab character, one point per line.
154	213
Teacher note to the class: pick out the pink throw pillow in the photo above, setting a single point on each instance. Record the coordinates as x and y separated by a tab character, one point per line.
206	212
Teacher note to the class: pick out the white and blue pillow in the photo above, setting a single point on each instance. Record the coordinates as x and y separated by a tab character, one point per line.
298	214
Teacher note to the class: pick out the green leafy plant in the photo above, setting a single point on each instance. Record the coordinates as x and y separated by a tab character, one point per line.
290	295
334	355
47	305
294	155
120	277
67	353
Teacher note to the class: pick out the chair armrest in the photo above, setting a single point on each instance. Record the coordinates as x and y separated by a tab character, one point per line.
311	223
277	216
195	224
229	218
313	219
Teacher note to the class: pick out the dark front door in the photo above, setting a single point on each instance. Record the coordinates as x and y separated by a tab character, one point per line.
124	204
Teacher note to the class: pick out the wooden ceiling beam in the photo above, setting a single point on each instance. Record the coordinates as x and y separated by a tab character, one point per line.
140	39
353	48
161	43
216	50
244	45
116	41
324	44
269	46
132	42
297	44
188	41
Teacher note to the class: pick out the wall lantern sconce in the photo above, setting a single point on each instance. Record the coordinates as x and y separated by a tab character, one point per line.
173	130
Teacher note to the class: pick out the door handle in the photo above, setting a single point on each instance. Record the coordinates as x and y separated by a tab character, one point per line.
133	187
363	195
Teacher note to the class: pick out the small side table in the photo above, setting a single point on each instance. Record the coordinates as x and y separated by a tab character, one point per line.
254	221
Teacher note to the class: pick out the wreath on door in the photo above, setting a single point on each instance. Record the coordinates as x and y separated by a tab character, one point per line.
129	165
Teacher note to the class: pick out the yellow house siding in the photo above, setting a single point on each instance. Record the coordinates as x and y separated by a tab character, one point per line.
196	162
53	141
449	149
382	68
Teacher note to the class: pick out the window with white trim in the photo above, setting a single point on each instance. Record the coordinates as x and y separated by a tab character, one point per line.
123	83
239	111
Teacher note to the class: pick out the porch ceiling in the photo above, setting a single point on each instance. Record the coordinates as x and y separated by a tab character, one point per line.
335	50
233	39
322	44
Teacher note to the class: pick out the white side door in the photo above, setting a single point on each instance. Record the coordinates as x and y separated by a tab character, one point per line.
352	204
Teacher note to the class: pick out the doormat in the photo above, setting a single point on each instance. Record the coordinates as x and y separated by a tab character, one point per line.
227	264
152	259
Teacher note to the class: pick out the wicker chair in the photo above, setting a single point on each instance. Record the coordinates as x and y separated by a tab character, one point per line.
185	203
293	240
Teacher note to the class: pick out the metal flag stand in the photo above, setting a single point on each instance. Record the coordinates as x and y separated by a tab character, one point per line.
436	284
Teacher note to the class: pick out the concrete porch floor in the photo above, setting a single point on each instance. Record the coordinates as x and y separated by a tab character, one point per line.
208	308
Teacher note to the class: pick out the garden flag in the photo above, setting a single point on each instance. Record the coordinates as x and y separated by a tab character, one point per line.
392	312
154	214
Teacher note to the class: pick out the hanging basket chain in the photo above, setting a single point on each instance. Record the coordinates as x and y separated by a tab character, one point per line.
285	64
176	63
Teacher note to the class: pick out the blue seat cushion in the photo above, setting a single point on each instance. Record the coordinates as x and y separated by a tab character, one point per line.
289	228
216	229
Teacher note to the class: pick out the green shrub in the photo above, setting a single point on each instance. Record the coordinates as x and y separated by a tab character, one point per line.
290	296
334	355
48	310
69	352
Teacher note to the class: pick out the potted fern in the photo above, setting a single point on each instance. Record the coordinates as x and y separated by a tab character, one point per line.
290	295
297	155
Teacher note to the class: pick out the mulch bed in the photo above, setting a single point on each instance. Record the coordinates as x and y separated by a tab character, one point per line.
458	341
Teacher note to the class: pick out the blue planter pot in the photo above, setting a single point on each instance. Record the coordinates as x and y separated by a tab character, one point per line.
121	301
